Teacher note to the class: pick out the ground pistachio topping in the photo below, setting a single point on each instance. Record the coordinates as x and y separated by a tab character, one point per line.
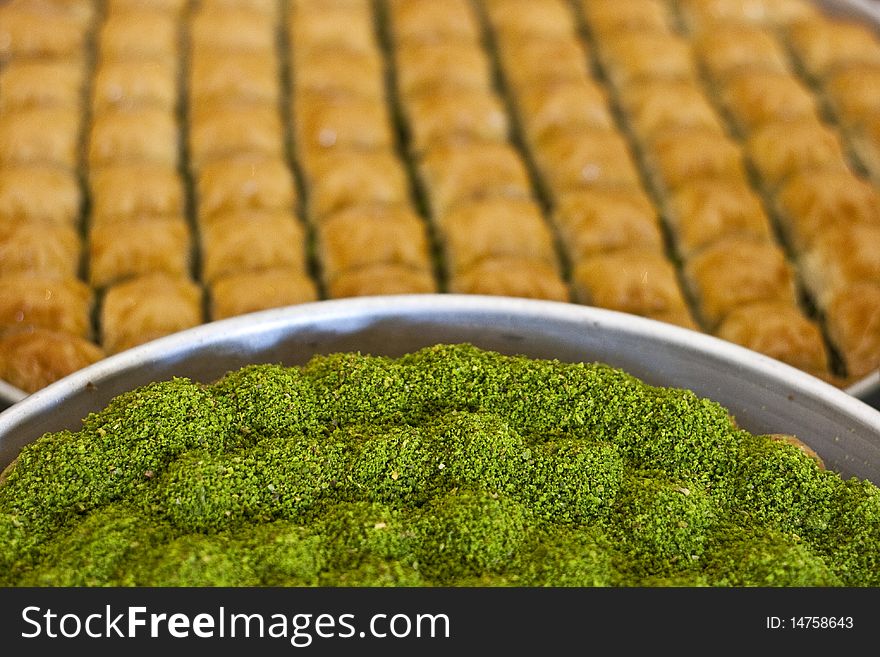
449	466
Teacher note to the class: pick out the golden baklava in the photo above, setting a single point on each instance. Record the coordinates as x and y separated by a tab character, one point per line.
46	301
512	276
40	135
739	49
381	279
251	291
852	317
52	249
142	134
27	83
228	129
121	35
37	192
244	181
606	17
124	84
31	359
657	105
754	98
429	20
821	45
135	189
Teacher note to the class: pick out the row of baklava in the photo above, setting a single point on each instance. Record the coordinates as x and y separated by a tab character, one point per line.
46	327
369	238
477	190
735	273
822	206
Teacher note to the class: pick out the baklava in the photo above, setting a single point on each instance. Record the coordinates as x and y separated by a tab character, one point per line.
39	193
141	134
125	84
229	129
754	98
45	301
135	189
251	291
381	279
51	249
821	44
27	83
607	17
32	359
40	135
852	317
244	181
512	276
740	49
429	20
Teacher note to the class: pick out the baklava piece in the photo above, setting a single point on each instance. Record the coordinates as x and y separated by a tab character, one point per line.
41	83
126	84
365	235
637	281
60	304
249	241
460	172
334	24
242	182
865	141
811	202
127	249
704	211
252	291
738	270
221	131
452	63
677	157
27	32
492	228
382	279
138	34
232	28
429	20
40	135
631	57
514	276
780	331
740	49
607	17
602	220
854	92
825	43
659	104
561	104
323	123
49	194
852	319
338	180
340	72
148	307
216	77
753	98
46	249
449	114
548	19
706	15
32	359
536	61
173	7
568	161
123	191
838	257
144	134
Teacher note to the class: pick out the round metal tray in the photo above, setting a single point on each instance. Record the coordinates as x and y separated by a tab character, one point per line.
764	395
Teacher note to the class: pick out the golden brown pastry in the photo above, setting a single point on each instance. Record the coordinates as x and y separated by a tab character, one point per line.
123	191
839	256
495	227
382	279
76	12
32	359
853	91
512	276
607	17
704	211
638	281
333	24
364	235
218	76
29	31
340	72
46	249
250	240
813	201
323	123
40	135
459	172
753	98
778	330
600	220
221	131
561	104
734	271
659	104
232	28
865	141
60	304
138	34
39	193
823	44
340	179
446	114
548	19
174	7
146	308
740	48
453	63
270	8
852	319
633	56
706	15
242	182
26	83
134	247
252	291
143	134
587	158
541	59
129	83
429	20
676	157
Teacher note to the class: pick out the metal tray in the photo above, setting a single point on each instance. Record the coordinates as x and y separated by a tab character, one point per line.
764	395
